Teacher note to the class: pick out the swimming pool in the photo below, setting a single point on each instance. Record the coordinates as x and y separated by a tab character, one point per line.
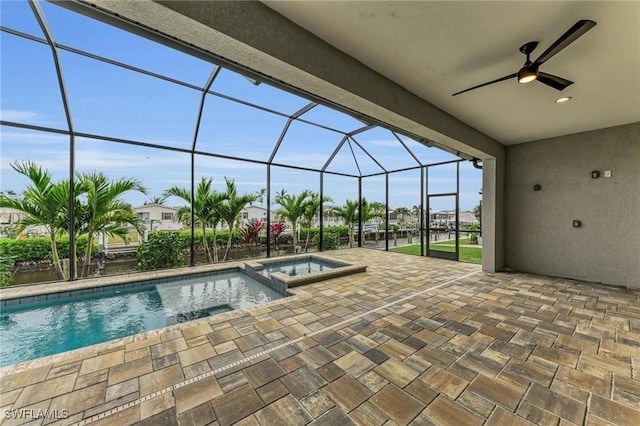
36	329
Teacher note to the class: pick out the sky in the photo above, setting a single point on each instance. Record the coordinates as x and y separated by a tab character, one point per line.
111	101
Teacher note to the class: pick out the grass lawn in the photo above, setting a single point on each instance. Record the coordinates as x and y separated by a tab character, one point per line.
133	237
467	254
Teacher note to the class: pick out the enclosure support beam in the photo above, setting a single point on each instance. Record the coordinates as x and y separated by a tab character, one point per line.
268	210
421	219
320	236
360	212
386	211
39	15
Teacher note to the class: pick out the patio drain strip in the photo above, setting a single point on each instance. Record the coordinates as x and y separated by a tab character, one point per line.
213	372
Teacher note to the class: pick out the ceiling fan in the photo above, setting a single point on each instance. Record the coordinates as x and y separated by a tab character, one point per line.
530	71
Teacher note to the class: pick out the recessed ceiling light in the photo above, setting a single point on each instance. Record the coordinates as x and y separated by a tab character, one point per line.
563	99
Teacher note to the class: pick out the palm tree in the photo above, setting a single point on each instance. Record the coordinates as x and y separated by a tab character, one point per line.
205	210
259	196
292	208
373	210
158	199
312	208
230	209
401	214
102	211
349	215
415	212
45	203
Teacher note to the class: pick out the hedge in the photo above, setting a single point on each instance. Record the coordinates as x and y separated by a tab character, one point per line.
341	231
39	248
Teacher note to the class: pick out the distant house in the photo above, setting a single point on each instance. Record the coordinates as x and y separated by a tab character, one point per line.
253	213
467	218
448	218
10	216
157	217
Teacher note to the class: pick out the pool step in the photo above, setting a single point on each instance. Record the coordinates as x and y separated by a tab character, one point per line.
201	313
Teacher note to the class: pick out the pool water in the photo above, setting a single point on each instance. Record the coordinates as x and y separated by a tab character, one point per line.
297	267
34	330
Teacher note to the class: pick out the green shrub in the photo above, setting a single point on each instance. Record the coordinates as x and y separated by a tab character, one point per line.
330	240
162	250
221	238
473	237
342	231
39	248
7	267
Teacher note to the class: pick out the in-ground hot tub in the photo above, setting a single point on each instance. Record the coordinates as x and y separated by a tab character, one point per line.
281	274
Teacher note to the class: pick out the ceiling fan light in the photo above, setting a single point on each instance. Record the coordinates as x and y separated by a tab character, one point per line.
525	75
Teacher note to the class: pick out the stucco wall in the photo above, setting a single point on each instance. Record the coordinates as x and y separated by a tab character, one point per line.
540	236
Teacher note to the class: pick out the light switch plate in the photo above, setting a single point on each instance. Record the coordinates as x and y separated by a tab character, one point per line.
607	173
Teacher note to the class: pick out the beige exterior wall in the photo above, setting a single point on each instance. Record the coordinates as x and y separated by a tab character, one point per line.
157	217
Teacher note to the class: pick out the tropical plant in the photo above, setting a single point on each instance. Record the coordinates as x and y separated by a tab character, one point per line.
402	213
45	203
373	210
259	196
477	211
37	249
330	240
292	209
230	208
473	236
102	211
161	250
157	199
251	232
205	210
349	215
7	268
276	231
312	208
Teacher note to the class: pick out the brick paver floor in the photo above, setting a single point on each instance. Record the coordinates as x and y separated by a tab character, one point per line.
412	341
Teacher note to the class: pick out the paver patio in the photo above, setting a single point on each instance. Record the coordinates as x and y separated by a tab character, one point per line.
411	341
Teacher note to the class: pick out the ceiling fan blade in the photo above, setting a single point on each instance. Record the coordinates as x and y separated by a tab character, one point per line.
575	32
506	77
554	81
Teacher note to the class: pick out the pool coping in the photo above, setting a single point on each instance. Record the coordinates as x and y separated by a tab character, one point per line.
32	292
82	286
111	345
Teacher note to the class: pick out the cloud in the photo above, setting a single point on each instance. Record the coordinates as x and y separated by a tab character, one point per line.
25	137
31	117
19	116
